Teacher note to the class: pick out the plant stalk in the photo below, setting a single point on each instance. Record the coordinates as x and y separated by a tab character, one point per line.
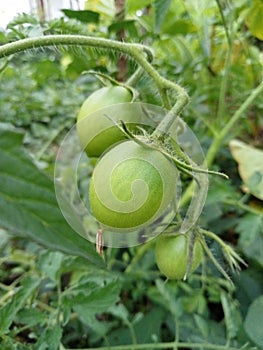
77	40
142	54
227	129
179	345
220	137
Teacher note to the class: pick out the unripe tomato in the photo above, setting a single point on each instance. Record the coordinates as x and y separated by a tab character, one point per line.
171	254
95	131
131	186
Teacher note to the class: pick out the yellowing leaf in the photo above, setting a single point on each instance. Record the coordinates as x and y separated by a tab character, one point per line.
106	8
254	19
250	166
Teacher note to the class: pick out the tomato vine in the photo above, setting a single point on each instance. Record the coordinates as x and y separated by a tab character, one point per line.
143	56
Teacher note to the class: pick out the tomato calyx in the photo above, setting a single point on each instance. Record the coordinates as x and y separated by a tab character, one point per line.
170	149
107	81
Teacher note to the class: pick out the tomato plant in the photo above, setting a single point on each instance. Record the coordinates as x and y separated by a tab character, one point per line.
96	131
132	185
172	253
55	290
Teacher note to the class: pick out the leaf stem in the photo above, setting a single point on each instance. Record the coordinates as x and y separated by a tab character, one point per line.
244	206
163	86
132	81
214	237
224	21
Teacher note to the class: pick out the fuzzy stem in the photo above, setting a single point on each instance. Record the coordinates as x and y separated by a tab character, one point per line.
214	237
152	72
82	40
135	51
132	81
163	86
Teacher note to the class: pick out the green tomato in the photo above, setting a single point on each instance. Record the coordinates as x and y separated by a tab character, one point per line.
131	186
95	131
171	254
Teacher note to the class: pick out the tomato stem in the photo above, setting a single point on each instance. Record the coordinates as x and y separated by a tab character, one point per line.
175	344
135	77
82	40
142	54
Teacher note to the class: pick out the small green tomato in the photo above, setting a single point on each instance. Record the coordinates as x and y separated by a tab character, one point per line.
131	186
95	131
171	254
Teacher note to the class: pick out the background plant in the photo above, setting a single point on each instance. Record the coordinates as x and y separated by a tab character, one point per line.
54	288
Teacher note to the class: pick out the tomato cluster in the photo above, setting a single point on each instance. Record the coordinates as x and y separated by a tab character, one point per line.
132	185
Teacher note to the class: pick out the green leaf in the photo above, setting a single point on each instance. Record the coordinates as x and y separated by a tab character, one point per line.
219	191
178	27
8	343
106	8
202	325
254	19
249	286
167	298
9	311
120	311
254	321
128	25
23	18
50	339
161	9
92	300
30	317
96	299
28	204
85	16
82	280
147	329
50	263
46	70
92	293
250	241
3	38
135	5
231	315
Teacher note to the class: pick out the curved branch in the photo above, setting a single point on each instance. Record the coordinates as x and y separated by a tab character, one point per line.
142	54
52	40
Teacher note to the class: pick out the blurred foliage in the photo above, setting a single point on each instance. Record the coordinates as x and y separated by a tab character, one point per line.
48	297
